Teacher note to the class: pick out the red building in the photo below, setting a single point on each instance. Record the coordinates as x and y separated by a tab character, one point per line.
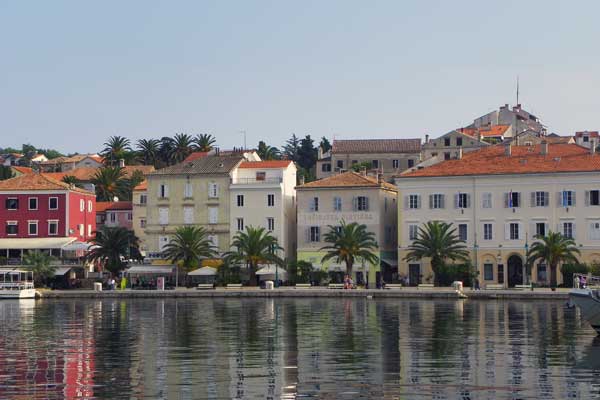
38	212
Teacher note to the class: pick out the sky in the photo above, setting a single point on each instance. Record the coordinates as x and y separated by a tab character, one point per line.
73	73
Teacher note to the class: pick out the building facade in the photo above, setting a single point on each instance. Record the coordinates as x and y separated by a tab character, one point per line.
262	194
138	206
114	214
450	145
349	197
499	199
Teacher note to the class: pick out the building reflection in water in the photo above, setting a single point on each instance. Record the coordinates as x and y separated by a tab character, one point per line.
289	348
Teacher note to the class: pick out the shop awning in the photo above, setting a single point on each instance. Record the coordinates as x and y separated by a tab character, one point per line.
204	271
35	243
390	261
270	269
151	269
61	271
78	246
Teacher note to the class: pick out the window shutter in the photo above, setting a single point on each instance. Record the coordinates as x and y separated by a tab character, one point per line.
533	199
166	191
506	202
468	201
367	203
521	232
307	235
573	198
311	205
559	199
406	202
507	231
532	229
418	201
591	231
587	197
546	199
355	203
456	199
430	201
519	204
574	230
442	201
159	191
559	228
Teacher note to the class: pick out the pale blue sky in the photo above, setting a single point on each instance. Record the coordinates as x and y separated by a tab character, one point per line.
74	73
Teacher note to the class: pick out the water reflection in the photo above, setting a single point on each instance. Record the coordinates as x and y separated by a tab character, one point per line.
289	348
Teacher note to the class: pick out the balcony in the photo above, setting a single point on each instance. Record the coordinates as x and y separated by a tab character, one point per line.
255	181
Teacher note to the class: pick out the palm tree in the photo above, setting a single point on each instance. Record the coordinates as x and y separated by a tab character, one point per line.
254	247
553	249
147	150
116	148
266	152
349	242
439	242
204	142
188	246
41	265
183	145
110	182
70	180
109	245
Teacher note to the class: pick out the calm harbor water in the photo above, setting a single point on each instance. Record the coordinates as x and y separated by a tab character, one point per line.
295	348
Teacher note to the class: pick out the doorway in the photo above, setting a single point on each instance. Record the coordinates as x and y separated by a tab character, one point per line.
515	271
414	274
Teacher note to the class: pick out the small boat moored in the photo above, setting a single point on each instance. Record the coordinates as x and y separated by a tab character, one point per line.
587	298
16	284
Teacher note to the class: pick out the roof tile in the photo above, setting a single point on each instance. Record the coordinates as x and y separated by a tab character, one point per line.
347	179
377	146
37	182
266	164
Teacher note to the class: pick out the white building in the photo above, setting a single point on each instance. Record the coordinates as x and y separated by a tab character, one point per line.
499	199
262	194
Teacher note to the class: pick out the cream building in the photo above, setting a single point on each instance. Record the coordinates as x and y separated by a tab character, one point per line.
449	146
499	199
351	197
140	217
262	194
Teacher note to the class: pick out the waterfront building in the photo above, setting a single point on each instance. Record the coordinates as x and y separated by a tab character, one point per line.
352	197
114	214
386	156
499	199
139	211
38	212
262	194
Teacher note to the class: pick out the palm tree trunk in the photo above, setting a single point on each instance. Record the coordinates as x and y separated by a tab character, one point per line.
253	281
553	275
349	266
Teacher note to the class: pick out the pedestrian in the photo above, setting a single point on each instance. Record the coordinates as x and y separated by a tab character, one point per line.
583	282
576	282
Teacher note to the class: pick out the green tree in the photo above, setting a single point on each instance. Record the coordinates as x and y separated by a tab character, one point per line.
307	153
110	246
5	172
325	145
147	151
300	271
183	145
116	148
439	242
70	180
110	182
204	142
254	247
188	246
292	148
349	242
165	150
41	265
553	249
359	166
266	152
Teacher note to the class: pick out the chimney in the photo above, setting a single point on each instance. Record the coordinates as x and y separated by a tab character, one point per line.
460	154
544	148
380	179
593	146
426	138
121	163
301	180
363	171
508	150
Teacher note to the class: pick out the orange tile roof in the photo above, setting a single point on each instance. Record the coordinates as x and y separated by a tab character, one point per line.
37	182
103	206
266	164
347	179
492	131
523	160
86	174
589	133
196	155
142	186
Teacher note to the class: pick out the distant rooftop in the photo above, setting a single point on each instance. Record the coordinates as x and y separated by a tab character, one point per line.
376	146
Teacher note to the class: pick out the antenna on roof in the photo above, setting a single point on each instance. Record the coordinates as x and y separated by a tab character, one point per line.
517	90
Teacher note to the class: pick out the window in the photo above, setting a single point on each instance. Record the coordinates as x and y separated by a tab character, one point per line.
447	141
90	206
240	224
271	224
447	156
213	190
340	164
436	201
142	223
413	232
81	205
32	228
513	231
12	228
595	230
512	199
314	234
362	203
163	216
593	197
52	228
326	167
487	231
488	272
240	200
33	203
540	229
462	232
53	203
188	215
187	190
143	198
414	201
314	204
89	231
541	273
270	200
113	216
463	200
486	200
337	203
375	164
411	163
586	139
395	164
81	229
459	141
12	204
213	215
163	191
338	229
568	230
567	198
540	199
261	175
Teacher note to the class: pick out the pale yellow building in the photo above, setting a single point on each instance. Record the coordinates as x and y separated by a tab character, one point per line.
140	218
498	199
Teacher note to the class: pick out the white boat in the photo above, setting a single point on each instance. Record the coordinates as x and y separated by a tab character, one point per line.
16	284
587	299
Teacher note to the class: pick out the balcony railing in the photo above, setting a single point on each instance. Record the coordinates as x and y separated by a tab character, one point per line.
254	181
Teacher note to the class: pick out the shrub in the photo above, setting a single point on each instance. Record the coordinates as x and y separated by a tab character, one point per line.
449	273
568	270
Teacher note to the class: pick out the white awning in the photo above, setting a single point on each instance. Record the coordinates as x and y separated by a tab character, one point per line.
61	271
204	271
78	246
151	269
35	243
390	261
270	269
